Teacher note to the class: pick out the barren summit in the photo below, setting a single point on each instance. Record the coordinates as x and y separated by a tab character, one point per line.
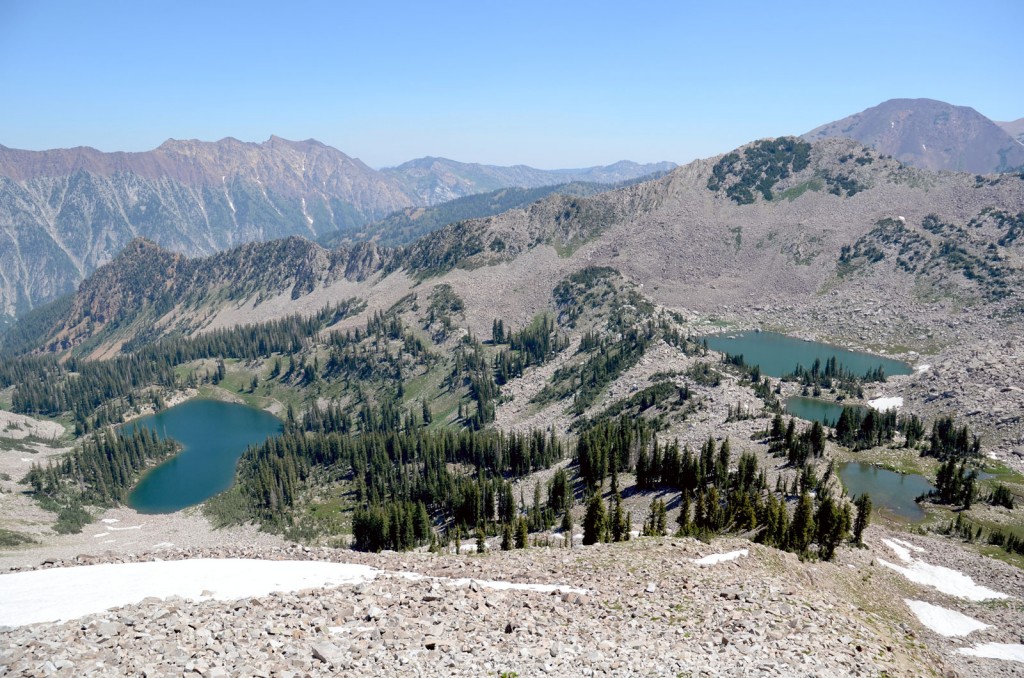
932	135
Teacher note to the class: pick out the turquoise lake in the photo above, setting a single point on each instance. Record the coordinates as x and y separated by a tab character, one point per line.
891	493
816	409
213	435
778	354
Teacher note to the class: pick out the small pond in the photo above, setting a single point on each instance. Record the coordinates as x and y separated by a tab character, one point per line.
891	493
816	409
778	354
213	435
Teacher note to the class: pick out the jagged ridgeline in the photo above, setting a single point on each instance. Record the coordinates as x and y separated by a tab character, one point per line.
786	218
65	212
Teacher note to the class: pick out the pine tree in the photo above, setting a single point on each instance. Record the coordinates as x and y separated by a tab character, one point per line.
567	527
830	527
522	534
594	521
863	505
683	519
506	537
481	539
619	528
801	529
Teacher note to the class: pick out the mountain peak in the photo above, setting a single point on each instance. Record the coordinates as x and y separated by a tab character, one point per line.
930	134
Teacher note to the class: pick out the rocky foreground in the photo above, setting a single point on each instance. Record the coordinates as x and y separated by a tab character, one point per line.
652	608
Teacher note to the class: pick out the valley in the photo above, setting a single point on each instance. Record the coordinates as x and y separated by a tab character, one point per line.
502	379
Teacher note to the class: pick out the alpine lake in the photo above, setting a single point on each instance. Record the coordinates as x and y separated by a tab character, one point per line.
892	494
213	435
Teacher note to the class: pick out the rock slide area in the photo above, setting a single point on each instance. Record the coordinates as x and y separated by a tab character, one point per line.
659	607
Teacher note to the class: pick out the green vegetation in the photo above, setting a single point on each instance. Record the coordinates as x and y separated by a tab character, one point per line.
758	167
399	472
100	472
10	538
949	249
795	192
99	392
838	184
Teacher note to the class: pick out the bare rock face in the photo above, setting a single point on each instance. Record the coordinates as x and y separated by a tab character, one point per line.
931	135
65	212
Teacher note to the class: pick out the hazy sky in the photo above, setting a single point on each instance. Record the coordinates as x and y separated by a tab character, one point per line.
549	84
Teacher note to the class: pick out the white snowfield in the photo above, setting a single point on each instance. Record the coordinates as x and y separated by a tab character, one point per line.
64	593
716	558
943	621
886	403
1008	651
944	579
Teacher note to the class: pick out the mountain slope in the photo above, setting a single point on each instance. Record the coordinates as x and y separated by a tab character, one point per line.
1014	128
405	226
65	212
693	238
930	134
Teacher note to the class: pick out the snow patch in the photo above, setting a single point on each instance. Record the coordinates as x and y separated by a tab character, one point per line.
716	558
943	621
1008	651
163	545
110	521
885	403
945	580
908	545
899	548
101	534
64	593
512	586
922	368
130	527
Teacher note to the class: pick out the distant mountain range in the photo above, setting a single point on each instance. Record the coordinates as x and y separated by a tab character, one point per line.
65	212
775	222
933	135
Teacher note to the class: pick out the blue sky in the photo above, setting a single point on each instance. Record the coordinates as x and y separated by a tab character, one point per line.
549	84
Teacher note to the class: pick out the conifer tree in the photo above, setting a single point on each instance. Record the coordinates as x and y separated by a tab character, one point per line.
801	529
863	505
594	521
567	527
522	534
830	526
506	537
481	539
683	519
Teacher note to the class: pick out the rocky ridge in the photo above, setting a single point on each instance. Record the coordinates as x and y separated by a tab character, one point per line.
65	212
653	610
